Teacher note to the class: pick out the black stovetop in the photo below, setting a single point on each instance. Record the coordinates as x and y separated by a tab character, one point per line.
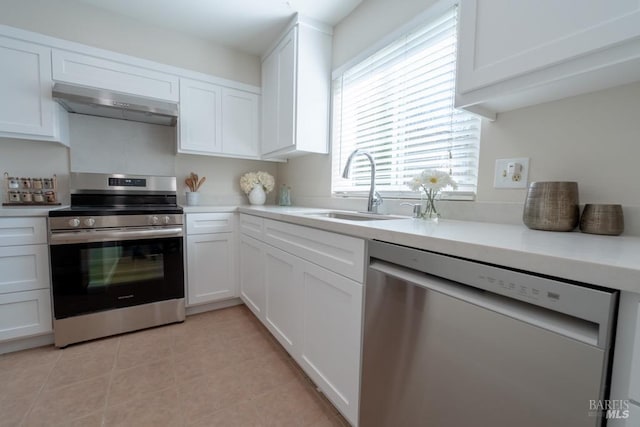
119	204
114	210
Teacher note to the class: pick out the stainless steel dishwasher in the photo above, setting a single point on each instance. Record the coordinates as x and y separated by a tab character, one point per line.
450	342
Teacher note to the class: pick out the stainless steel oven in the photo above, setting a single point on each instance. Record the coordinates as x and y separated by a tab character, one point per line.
116	257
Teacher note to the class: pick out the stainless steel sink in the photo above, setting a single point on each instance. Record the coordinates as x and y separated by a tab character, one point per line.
353	216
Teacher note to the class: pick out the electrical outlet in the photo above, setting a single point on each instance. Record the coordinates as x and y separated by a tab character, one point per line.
511	173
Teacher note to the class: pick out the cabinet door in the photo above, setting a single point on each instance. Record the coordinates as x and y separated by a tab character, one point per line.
210	268
330	344
507	59
282	276
87	70
240	123
500	39
24	268
252	289
287	90
270	103
200	123
26	105
25	313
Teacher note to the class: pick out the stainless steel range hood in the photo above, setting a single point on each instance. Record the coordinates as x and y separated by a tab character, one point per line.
97	102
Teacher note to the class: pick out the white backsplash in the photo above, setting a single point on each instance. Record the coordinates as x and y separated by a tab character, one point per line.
103	145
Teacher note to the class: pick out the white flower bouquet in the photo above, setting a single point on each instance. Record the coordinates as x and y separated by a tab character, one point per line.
250	179
431	181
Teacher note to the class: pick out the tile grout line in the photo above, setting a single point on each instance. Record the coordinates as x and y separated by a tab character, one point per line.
35	400
111	374
183	422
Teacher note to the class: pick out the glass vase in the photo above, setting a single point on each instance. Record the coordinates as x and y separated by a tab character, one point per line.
429	211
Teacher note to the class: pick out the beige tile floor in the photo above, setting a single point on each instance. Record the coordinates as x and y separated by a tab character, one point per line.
219	368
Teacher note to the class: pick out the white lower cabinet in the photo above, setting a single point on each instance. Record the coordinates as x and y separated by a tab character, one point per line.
211	258
282	273
25	313
315	313
25	287
252	290
330	339
211	269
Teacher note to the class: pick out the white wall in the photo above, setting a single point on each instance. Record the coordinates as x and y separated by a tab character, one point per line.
593	139
369	22
35	159
103	145
83	23
222	186
106	145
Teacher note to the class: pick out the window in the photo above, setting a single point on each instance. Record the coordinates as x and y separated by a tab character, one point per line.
397	104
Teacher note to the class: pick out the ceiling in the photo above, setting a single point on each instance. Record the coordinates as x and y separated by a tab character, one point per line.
247	25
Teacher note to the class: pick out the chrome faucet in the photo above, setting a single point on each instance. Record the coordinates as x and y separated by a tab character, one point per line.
375	199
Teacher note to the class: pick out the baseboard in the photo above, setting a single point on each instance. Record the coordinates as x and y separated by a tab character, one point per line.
202	308
26	343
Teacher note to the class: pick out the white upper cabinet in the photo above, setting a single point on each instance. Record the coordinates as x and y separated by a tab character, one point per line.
296	81
240	123
27	109
514	54
200	123
93	71
216	120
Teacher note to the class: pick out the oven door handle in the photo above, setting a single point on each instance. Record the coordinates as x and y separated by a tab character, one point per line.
90	236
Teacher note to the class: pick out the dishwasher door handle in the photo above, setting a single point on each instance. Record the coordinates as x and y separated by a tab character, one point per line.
563	324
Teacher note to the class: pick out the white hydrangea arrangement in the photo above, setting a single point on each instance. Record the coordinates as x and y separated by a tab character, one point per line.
250	179
431	181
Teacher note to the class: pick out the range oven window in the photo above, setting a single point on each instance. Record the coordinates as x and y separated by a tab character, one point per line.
91	277
117	265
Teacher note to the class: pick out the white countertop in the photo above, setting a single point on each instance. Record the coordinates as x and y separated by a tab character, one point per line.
206	209
611	261
18	211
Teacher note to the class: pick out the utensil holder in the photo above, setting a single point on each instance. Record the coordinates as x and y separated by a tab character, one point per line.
193	198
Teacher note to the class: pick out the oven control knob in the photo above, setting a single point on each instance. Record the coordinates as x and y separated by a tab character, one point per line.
89	222
166	220
74	222
154	220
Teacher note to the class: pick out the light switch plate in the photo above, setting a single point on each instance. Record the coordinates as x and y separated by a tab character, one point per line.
505	178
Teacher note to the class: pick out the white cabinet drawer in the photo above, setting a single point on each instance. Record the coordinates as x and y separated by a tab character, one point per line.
252	226
24	268
25	313
22	231
101	73
336	252
207	223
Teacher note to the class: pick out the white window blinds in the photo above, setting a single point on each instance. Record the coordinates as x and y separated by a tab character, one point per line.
398	105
